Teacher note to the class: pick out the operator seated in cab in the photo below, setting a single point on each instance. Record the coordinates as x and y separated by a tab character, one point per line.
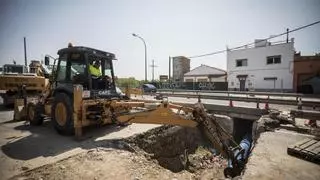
98	82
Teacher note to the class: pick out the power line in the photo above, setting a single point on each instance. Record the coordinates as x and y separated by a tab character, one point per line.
287	32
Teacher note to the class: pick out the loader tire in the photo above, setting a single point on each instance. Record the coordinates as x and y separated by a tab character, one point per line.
34	114
61	114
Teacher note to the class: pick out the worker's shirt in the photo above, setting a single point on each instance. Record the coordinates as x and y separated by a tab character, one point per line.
94	71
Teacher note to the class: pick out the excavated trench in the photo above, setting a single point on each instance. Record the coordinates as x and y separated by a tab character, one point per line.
170	145
180	148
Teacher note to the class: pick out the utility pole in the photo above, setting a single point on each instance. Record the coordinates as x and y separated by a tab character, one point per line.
287	35
169	69
153	66
25	52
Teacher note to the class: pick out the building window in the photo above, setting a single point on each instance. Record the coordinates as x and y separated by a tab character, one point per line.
241	62
274	59
270	78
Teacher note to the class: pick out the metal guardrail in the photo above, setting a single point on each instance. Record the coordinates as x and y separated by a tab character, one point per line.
245	99
297	95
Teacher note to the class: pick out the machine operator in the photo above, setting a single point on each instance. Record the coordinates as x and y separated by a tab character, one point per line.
98	82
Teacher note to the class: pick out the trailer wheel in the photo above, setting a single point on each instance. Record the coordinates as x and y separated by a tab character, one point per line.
61	114
34	114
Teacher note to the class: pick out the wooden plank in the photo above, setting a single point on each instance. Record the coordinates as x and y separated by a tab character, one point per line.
303	142
314	148
308	144
309	149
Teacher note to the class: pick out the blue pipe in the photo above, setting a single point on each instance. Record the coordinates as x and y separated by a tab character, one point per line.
238	157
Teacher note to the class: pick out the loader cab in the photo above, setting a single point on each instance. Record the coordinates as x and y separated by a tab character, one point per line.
73	67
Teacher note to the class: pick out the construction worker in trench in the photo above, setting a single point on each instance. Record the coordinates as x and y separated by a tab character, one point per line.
98	82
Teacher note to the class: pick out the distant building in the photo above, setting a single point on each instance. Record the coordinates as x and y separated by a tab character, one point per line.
264	67
163	78
180	66
205	73
306	74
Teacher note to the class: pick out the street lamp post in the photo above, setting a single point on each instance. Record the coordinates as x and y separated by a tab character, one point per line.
145	55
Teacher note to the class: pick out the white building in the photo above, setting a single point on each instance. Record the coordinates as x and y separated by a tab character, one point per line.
264	67
205	73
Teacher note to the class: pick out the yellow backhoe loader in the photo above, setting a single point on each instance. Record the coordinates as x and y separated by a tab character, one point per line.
15	76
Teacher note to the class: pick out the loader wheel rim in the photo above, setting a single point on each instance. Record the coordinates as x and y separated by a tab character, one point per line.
31	114
61	114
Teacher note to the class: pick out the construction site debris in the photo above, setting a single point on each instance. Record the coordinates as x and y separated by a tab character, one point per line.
308	149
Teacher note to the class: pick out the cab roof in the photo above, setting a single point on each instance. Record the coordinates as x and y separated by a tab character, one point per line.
90	51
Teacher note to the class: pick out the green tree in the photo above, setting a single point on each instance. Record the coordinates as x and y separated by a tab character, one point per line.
130	82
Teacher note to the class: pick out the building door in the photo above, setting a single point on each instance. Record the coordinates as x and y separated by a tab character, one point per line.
242	84
242	80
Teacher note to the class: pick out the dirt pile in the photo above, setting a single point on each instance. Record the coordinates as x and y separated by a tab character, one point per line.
178	148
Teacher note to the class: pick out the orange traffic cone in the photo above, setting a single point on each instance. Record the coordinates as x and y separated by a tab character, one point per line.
266	106
230	103
310	123
300	104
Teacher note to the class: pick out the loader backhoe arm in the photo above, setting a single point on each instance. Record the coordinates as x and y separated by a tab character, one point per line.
172	114
164	113
196	116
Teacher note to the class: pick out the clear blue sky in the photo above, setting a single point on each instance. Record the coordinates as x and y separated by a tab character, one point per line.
170	28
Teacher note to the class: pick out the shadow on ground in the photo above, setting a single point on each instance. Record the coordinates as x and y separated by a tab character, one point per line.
45	141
